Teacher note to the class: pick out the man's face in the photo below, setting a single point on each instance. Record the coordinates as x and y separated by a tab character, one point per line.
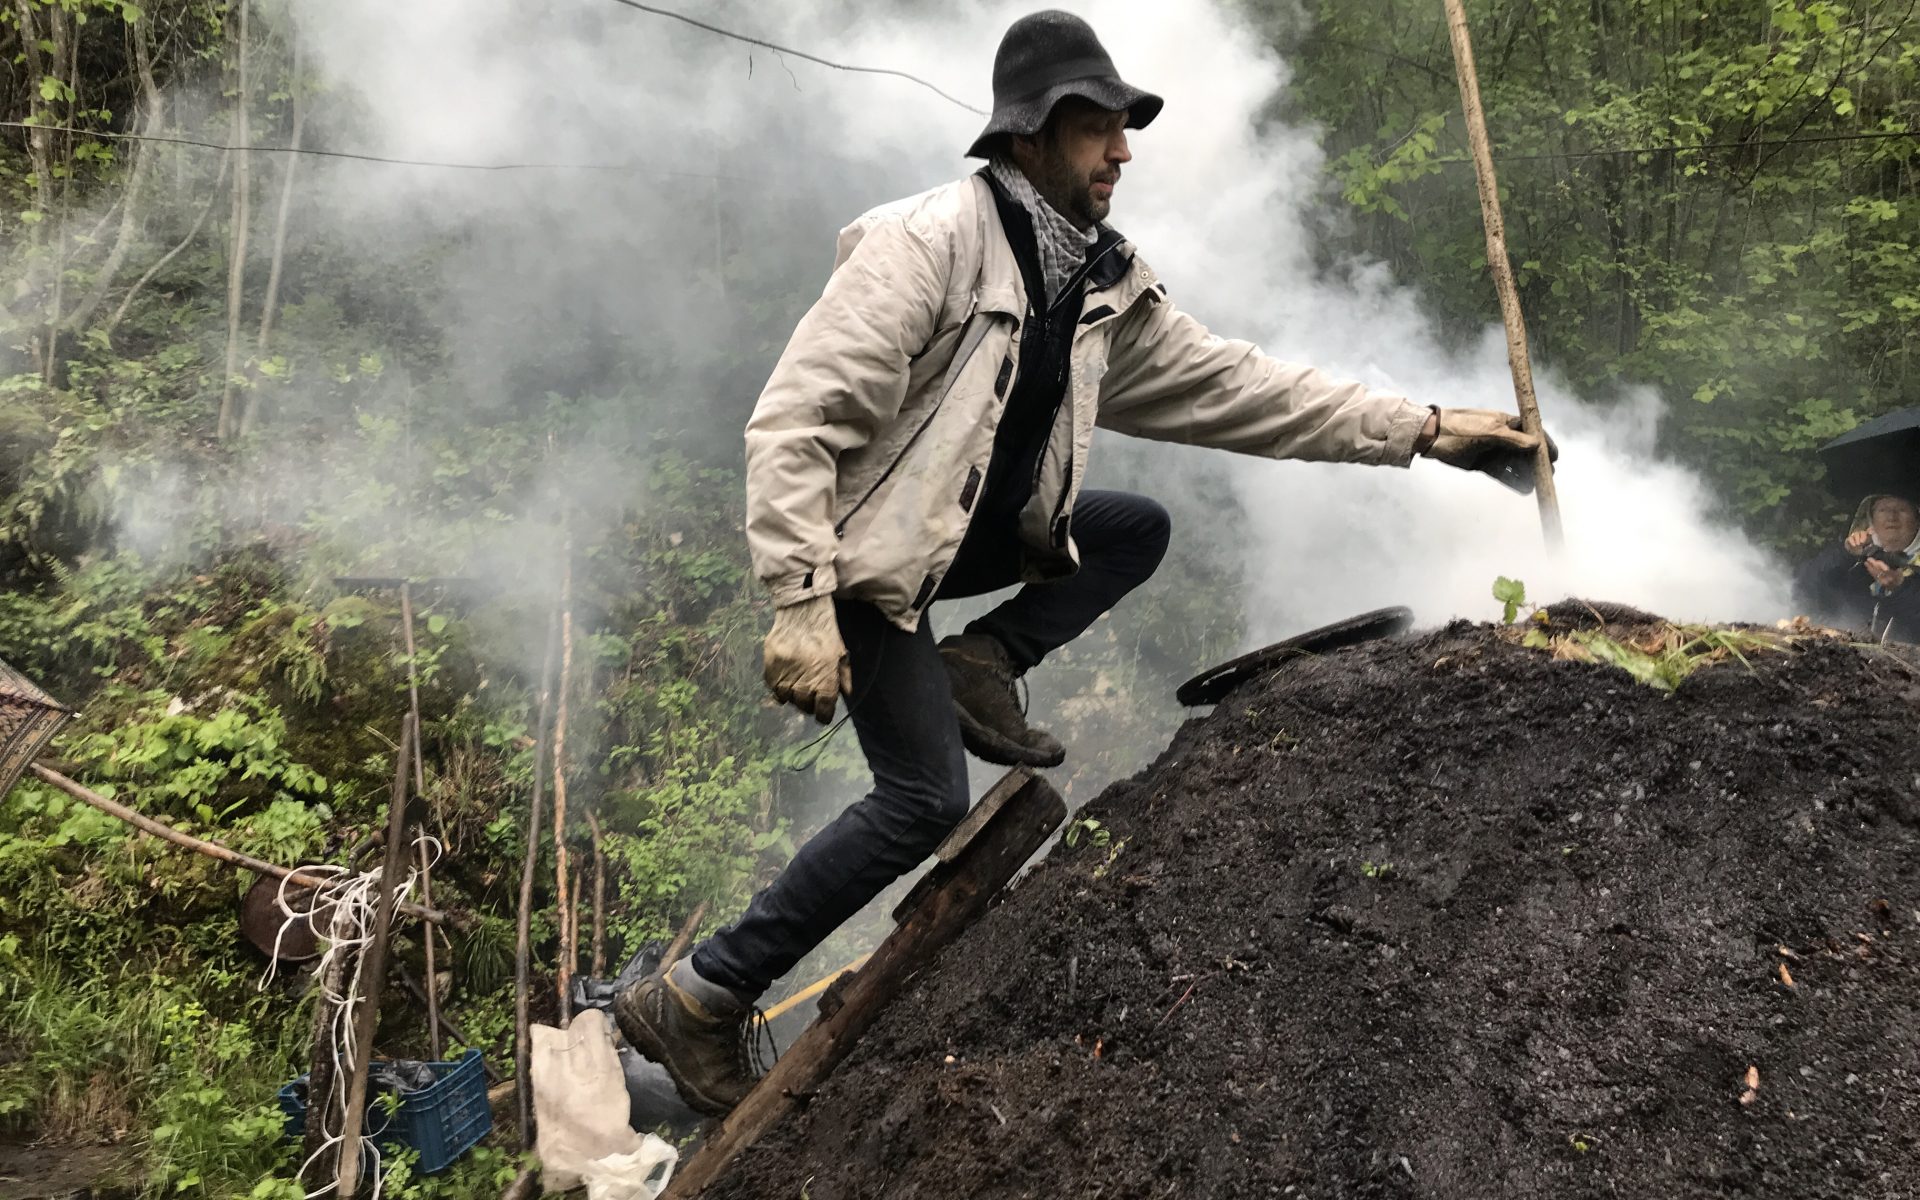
1075	161
1894	524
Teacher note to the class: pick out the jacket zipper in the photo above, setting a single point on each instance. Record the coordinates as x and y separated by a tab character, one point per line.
1039	465
840	526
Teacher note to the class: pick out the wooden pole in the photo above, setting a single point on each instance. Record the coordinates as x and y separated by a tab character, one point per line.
320	1064
168	833
684	938
420	790
1502	269
522	950
563	975
954	894
373	973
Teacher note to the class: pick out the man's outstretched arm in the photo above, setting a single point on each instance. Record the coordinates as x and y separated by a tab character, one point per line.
1172	380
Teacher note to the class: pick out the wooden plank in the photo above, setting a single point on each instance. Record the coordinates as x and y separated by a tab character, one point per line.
982	812
1020	824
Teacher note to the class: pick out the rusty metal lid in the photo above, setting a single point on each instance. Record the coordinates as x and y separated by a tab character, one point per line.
261	919
1211	686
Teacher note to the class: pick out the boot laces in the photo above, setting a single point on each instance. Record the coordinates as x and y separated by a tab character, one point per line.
757	1050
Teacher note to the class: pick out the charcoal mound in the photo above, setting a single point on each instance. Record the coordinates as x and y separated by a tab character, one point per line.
1436	917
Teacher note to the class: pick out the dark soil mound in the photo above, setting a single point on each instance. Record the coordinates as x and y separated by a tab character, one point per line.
1440	917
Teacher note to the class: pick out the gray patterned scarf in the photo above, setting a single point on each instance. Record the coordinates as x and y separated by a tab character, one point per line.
1062	246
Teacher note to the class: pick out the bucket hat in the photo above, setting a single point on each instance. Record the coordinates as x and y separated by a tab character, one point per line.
1044	58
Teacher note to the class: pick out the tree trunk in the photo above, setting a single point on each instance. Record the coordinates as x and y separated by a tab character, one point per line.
66	58
522	948
206	209
39	149
237	236
155	105
563	973
278	258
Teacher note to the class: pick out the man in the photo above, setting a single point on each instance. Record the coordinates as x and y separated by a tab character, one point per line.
1865	582
923	438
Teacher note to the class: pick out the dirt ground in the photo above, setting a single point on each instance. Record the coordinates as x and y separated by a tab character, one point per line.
45	1171
1437	918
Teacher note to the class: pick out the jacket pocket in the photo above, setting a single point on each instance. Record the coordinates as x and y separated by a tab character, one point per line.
970	490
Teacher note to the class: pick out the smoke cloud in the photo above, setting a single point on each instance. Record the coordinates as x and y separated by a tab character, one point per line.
745	162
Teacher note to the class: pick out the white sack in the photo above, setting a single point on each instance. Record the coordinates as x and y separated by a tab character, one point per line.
580	1108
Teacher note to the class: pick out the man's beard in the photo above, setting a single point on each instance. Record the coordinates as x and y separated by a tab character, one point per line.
1072	195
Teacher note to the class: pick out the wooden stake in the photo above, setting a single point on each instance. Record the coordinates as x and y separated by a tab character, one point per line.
684	938
563	976
320	1064
1502	269
570	953
959	892
237	238
522	951
373	973
419	776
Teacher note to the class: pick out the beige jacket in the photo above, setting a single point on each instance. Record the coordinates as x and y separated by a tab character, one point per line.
867	449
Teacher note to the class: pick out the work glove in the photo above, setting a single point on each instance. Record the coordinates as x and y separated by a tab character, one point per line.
805	660
1467	436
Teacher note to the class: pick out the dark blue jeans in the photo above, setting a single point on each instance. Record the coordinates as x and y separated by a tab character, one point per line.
902	710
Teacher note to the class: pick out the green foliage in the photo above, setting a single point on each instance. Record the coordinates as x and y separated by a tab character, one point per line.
219	1129
1661	658
1767	290
1512	594
1099	836
171	762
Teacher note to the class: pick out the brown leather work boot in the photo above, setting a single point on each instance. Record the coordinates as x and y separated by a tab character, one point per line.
709	1055
992	726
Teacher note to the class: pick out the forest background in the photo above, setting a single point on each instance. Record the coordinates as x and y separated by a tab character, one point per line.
224	388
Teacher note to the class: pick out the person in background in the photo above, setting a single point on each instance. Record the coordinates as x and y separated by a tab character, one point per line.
1865	581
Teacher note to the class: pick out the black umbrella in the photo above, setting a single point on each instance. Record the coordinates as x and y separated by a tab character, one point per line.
1881	456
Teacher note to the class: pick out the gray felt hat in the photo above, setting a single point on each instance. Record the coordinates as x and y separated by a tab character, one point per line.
1045	58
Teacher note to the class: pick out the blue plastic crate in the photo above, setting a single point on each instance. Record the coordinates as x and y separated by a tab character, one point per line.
441	1121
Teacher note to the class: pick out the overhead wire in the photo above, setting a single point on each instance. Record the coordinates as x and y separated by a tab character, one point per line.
750	40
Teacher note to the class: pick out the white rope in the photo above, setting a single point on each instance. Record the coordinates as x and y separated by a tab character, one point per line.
350	905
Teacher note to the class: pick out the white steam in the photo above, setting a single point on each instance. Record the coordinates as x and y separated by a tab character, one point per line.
1220	202
750	161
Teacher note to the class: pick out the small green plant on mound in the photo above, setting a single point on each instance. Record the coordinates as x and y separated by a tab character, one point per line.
1089	830
1660	655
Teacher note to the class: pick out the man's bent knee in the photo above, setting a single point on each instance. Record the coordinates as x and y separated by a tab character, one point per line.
1155	528
934	811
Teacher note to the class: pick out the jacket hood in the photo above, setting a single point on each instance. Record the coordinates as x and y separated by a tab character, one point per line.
1863	515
